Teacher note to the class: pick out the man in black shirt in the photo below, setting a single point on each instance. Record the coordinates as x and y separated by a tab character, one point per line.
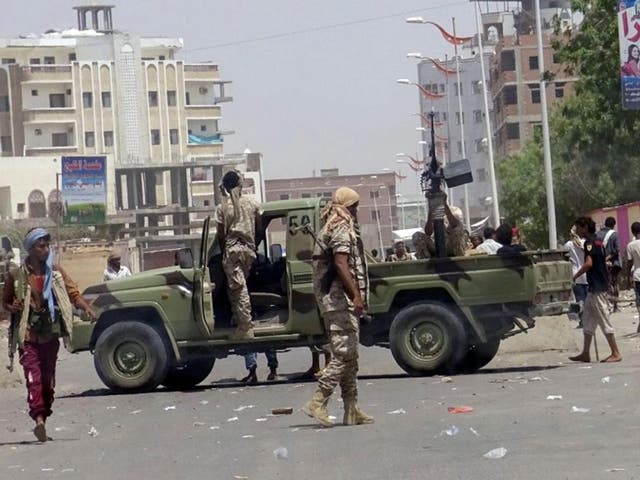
596	305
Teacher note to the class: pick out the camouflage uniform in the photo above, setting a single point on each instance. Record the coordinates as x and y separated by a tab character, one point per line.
336	307
456	241
239	254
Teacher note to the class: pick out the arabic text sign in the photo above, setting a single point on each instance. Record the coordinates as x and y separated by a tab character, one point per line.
84	192
629	34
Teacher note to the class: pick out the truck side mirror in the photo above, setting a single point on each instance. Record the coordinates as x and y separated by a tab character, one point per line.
275	252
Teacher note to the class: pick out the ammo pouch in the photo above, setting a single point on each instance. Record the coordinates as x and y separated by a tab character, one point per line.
42	316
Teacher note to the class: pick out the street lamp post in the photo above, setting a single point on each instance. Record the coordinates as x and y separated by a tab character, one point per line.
419	198
400	200
375	206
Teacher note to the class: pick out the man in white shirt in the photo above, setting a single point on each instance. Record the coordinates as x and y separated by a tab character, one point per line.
632	264
489	245
115	269
575	246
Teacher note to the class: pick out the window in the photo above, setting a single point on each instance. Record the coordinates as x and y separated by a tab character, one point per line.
155	137
72	57
87	99
375	194
306	195
375	215
206	203
5	144
4	103
284	196
327	194
556	58
436	117
106	99
560	89
507	61
20	207
6	61
460	152
476	87
441	88
535	93
458	88
479	147
171	98
458	118
481	175
153	98
59	140
537	131
187	98
203	128
49	60
510	94
161	57
513	131
34	93
444	116
533	62
174	139
34	61
89	139
477	116
56	100
108	138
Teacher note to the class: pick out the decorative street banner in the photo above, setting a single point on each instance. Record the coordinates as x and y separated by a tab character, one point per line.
84	192
629	33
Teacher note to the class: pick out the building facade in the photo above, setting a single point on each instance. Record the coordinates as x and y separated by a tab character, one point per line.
377	213
94	90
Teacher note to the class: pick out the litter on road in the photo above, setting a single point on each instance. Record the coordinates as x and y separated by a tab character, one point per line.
93	432
400	411
242	407
554	397
172	407
282	411
232	419
451	431
606	379
281	453
575	409
461	409
496	453
473	430
135	412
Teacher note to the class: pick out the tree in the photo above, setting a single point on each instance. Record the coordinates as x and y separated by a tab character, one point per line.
594	142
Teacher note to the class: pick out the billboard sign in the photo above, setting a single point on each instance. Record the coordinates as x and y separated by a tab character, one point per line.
629	34
84	190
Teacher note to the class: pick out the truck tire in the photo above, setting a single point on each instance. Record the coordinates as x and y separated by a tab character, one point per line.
190	374
427	338
479	355
131	357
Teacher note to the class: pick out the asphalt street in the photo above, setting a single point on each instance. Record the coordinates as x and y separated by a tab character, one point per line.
556	420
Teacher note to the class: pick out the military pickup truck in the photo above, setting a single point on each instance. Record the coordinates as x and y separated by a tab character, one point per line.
168	326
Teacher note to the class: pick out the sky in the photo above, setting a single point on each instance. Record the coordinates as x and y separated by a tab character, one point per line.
324	97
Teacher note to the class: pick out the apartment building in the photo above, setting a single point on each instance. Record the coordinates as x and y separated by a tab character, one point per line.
93	90
377	213
448	120
515	72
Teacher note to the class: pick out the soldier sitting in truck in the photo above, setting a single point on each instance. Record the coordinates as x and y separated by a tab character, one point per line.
456	237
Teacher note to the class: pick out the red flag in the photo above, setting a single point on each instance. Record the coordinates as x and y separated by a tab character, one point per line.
453	40
429	94
444	139
442	68
414	168
400	177
426	120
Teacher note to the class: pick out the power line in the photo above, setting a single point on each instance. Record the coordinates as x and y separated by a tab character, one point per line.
323	27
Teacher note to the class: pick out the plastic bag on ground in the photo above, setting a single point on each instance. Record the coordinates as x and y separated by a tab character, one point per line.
496	453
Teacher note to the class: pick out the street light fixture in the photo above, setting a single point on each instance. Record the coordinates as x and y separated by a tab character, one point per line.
404	81
415	20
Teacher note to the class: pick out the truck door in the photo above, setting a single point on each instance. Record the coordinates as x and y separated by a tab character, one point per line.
202	289
303	316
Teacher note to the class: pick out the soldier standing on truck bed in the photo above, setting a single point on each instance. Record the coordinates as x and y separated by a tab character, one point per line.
341	287
40	296
239	221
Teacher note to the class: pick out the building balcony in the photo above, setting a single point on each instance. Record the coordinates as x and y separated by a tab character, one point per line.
47	74
209	93
49	115
210	111
38	151
200	72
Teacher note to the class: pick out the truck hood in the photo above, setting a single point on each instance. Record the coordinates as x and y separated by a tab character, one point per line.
149	278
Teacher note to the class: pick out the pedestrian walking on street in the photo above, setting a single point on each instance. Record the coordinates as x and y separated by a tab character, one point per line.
575	246
251	364
632	265
609	238
596	305
40	296
239	221
341	287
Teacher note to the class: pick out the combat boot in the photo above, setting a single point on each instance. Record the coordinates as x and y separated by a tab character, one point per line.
353	415
252	378
317	407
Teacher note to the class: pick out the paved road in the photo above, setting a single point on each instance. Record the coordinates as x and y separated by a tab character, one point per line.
223	430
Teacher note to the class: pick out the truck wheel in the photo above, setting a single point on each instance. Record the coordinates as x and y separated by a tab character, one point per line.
188	375
426	338
131	357
479	355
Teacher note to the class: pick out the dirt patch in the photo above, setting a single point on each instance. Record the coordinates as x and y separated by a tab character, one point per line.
85	265
8	379
550	333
